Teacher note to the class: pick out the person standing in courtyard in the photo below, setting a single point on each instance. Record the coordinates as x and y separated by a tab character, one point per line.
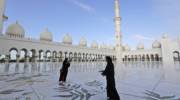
64	70
112	93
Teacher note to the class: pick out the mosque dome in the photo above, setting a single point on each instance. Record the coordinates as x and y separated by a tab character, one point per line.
46	35
15	30
94	44
156	44
123	48
83	42
67	39
165	36
140	46
127	48
110	47
104	46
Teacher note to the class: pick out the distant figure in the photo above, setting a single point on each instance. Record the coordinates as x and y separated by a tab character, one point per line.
64	70
112	93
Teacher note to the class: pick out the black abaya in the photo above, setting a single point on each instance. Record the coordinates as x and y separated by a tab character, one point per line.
111	87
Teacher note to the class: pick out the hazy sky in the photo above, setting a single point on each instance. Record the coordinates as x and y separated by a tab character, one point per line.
142	20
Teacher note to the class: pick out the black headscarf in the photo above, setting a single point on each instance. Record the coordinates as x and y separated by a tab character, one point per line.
109	60
65	61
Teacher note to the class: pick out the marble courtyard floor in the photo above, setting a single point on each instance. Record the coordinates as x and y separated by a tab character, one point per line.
134	81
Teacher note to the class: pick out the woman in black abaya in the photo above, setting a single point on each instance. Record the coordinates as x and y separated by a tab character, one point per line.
64	70
112	93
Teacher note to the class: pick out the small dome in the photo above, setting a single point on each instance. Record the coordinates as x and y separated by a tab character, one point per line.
83	42
110	47
15	30
140	46
127	48
103	46
165	36
94	44
156	44
46	35
123	48
67	39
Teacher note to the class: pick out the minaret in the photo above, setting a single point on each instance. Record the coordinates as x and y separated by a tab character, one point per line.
117	21
2	17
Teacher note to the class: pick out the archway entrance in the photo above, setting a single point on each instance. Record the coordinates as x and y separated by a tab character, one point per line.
23	55
13	55
176	56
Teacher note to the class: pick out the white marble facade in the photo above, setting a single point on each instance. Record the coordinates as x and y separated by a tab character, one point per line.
44	49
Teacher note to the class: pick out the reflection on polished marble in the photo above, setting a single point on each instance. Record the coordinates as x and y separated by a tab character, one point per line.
134	81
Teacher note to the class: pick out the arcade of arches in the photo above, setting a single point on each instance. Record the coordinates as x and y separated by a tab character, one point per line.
143	57
57	56
51	56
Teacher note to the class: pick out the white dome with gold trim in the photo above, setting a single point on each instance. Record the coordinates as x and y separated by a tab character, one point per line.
156	44
140	46
83	42
127	48
67	39
15	30
46	35
94	44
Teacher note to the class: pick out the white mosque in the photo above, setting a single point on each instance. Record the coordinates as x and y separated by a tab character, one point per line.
15	46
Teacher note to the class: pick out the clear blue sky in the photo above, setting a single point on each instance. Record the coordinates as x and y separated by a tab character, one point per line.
142	20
